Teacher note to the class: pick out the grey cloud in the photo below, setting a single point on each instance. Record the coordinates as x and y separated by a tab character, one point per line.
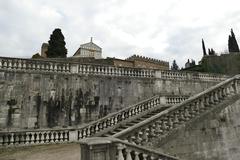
117	28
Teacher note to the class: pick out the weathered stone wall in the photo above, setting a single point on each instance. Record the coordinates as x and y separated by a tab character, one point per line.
214	136
40	100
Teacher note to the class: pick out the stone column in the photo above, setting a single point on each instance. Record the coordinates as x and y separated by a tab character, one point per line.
100	149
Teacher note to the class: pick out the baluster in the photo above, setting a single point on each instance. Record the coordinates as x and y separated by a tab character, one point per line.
36	140
211	98
152	158
49	136
136	155
116	119
97	127
60	135
128	156
232	90
206	101
84	134
123	117
10	64
227	91
11	139
88	132
26	137
104	124
44	137
236	86
80	135
216	99
144	156
31	138
224	94
220	94
120	147
100	126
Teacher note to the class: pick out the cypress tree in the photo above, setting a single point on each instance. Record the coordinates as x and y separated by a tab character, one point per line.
232	43
209	51
56	48
204	49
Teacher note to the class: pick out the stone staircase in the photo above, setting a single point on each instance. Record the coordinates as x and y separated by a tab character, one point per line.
133	121
127	133
157	128
158	124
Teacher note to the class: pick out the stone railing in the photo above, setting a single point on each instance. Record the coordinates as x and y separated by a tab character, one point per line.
173	99
34	137
118	117
33	65
114	71
57	66
116	149
66	135
175	75
173	118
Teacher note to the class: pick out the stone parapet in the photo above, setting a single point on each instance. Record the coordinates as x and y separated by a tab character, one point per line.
55	66
112	149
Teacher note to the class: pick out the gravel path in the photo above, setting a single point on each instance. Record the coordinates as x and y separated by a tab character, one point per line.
44	152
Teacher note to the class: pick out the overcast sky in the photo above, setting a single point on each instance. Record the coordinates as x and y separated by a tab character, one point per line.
162	29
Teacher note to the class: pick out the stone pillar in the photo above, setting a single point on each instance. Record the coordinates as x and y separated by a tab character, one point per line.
97	149
74	68
73	135
163	100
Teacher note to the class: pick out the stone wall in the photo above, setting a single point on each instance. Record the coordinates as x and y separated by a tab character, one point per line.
213	137
39	99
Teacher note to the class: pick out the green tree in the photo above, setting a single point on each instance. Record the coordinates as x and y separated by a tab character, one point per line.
56	48
204	49
232	43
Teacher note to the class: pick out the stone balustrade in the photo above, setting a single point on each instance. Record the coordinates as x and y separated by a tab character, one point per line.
116	149
114	71
34	137
173	99
33	65
166	122
66	135
56	66
175	75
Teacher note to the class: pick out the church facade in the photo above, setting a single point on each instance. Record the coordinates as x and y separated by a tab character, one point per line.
90	50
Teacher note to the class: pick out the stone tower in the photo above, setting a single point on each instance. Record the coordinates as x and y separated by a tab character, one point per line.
44	49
